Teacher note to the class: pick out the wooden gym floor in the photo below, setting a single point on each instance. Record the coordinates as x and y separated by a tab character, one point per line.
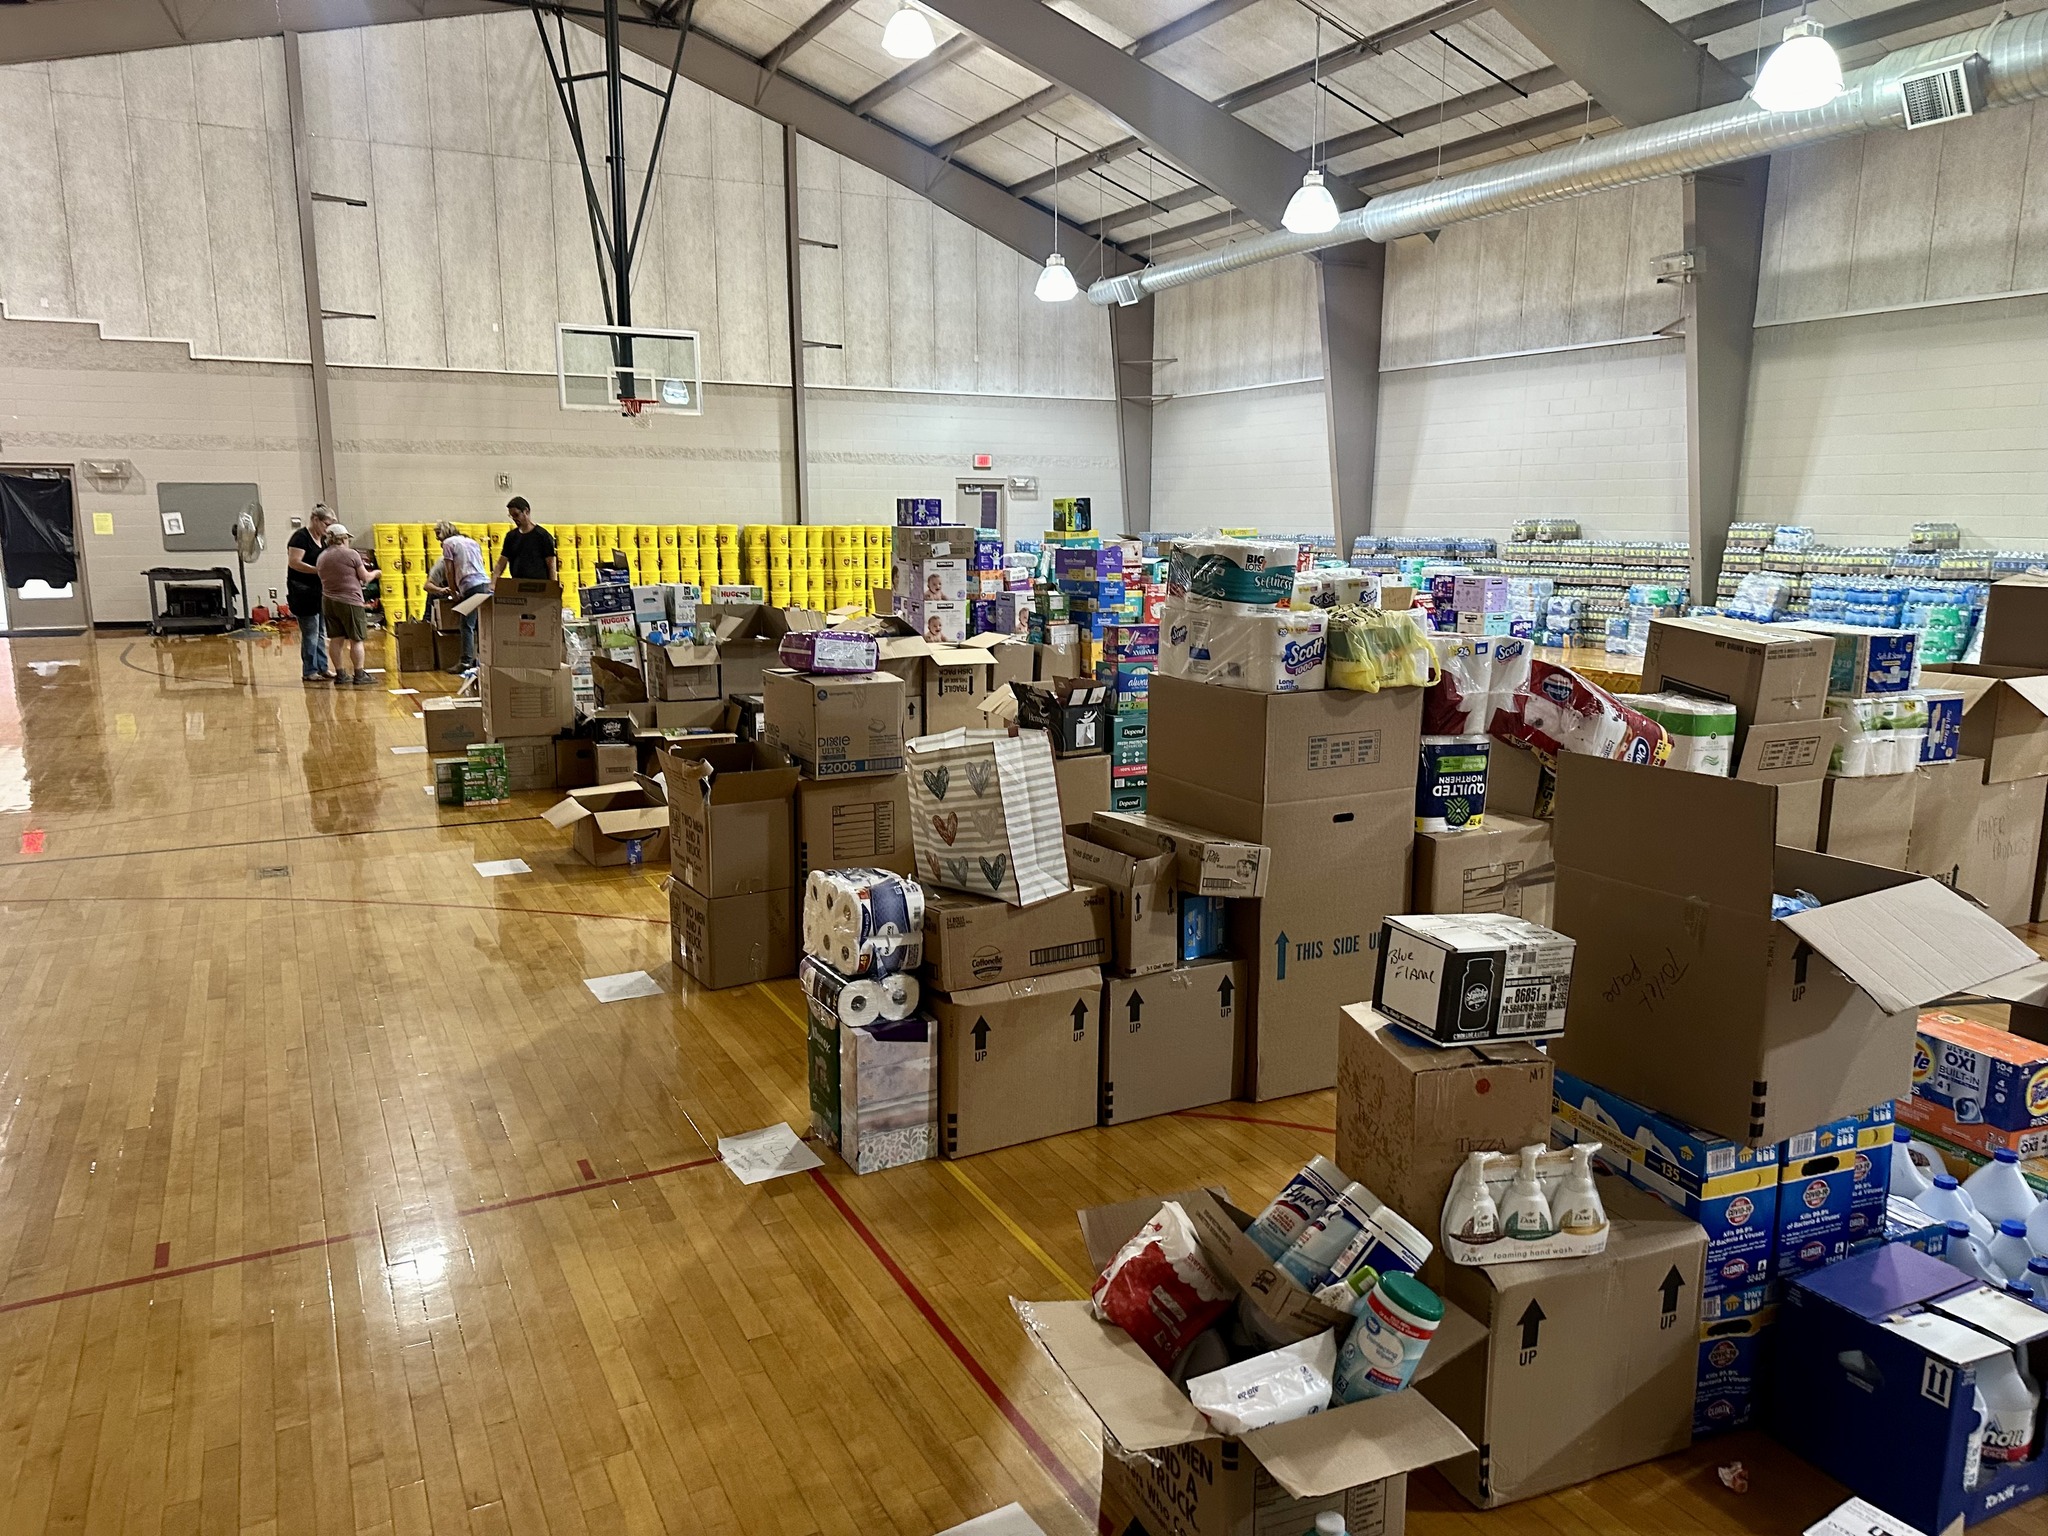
330	1200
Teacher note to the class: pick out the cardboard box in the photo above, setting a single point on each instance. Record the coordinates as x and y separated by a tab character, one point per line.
747	636
1876	1360
529	763
2016	623
1084	785
1771	673
1589	1364
1205	862
444	617
1458	979
853	824
2001	866
977	941
1018	1060
447	649
452	725
1734	1362
612	762
1409	1114
837	727
1169	1040
576	763
1798	818
1816	1188
1871	1191
732	941
1285	749
681	672
1141	894
956	679
1692	999
1945	797
1165	1465
1076	711
2005	717
614	824
1869	820
730	814
526	701
519	624
1503	866
416	649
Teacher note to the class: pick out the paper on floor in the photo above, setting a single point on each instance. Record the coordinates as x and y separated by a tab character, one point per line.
490	869
769	1153
402	692
409	752
614	989
1856	1518
1010	1520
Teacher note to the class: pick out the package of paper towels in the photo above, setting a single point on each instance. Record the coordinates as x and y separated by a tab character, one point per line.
857	1000
1243	645
864	922
1234	570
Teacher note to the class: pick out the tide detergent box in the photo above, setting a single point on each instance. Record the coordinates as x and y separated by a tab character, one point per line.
1729	1386
1978	1087
1816	1187
1873	1173
1728	1188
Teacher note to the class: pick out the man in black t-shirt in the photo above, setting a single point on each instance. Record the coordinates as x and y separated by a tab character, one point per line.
302	593
528	552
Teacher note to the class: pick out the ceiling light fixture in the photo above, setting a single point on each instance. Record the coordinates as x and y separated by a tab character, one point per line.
908	35
1312	211
1056	283
1802	72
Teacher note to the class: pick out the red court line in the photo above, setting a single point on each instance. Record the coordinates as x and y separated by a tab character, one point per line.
1285	1125
163	1257
1077	1495
182	1269
577	1189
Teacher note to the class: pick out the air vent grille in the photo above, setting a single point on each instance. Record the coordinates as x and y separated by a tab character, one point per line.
1941	94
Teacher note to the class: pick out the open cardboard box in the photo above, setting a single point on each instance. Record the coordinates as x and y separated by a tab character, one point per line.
608	824
2005	717
1164	1456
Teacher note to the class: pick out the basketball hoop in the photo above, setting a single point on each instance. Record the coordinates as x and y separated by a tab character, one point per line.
630	406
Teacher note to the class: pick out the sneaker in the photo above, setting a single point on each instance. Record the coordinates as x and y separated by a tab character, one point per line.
363	680
339	679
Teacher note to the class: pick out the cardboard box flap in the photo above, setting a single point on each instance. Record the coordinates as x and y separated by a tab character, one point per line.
1458	1332
1910	945
1956	1343
1715	837
564	814
1357	1443
2032	688
2026	986
1789	752
593	798
2003	1317
1106	1228
640	821
734	775
474	601
1132	1397
688	654
1286	1306
1086	979
617	683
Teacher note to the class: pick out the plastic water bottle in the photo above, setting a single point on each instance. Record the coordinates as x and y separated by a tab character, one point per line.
1967	1254
1947	1202
2014	1400
2000	1190
2009	1252
1908	1182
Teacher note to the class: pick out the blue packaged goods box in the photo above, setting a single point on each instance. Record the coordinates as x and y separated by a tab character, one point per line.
1089	565
1728	1188
1203	931
1133	642
1128	754
1728	1392
1944	743
1816	1184
1905	1222
919	511
1877	1360
1131	801
607	597
1873	1173
1869	661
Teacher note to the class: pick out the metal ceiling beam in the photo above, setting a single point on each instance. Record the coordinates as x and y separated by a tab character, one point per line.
1737	13
1518	89
956	47
1639	65
1351	53
1874	28
1198	20
1473	145
819	20
1230	156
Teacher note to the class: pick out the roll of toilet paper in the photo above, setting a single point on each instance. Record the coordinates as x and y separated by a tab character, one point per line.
1244	645
866	1000
864	922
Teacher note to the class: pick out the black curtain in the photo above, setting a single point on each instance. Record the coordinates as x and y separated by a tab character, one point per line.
35	530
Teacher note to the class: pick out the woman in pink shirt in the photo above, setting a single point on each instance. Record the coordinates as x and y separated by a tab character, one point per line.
343	607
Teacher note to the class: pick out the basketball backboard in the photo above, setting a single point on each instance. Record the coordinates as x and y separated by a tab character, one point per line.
629	369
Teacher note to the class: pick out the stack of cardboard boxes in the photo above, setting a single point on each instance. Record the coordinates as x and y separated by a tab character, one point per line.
732	861
523	695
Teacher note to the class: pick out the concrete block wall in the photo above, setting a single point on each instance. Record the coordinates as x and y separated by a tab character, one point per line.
1254	457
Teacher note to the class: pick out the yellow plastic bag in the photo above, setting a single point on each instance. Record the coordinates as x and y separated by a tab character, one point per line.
1374	648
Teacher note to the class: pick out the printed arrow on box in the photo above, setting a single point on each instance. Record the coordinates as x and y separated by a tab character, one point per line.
1080	1019
1137	1006
1280	956
1531	1323
1224	990
980	1033
1670	1286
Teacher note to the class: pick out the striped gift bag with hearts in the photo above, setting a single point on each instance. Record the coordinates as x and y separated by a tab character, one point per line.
985	814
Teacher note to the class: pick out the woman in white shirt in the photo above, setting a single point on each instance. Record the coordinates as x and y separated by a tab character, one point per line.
460	574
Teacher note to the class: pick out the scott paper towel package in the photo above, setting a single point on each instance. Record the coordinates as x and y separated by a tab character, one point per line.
1244	645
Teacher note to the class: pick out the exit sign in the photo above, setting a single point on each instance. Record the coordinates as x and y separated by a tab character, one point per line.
984	461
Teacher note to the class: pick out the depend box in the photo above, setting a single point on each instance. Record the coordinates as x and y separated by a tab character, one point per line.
1728	1188
1816	1185
1455	978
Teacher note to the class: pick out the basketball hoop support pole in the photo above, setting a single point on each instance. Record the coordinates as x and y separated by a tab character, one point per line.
622	250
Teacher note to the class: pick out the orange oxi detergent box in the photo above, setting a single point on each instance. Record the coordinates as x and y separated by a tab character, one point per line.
1978	1087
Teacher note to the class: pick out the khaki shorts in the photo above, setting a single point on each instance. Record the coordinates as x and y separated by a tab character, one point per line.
345	621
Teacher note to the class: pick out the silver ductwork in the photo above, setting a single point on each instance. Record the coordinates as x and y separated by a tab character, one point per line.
2013	55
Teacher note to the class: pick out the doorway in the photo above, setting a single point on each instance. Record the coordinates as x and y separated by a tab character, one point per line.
42	580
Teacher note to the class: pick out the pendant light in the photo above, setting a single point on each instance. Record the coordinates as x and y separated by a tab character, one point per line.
1312	211
908	35
1056	283
1802	72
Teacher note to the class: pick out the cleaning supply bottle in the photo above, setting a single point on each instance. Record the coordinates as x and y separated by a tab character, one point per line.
1908	1182
1947	1202
1330	1523
2037	1277
2009	1252
2014	1400
1471	1214
2019	1290
1525	1214
1973	1451
1579	1210
2000	1190
2037	1229
1966	1254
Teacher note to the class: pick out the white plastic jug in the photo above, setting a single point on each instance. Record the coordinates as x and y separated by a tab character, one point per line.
1908	1182
1973	1453
2000	1190
1947	1202
2009	1252
2014	1400
2037	1229
1967	1254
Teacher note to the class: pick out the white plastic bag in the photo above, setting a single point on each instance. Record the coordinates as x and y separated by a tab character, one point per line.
1273	1388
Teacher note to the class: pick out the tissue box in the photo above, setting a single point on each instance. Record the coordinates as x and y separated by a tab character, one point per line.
1457	978
888	1093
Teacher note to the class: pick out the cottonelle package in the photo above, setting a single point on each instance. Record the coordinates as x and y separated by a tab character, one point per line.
1244	645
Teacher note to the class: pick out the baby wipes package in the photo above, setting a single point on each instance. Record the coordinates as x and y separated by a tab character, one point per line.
1273	1388
1244	645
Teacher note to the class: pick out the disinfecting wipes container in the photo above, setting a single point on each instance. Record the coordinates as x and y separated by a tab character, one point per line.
1457	978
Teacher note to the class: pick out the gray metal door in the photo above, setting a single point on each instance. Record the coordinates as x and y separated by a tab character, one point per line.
42	570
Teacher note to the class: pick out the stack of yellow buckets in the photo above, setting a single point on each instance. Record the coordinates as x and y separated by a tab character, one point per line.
797	567
836	566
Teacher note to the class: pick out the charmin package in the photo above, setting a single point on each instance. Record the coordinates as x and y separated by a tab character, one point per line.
1334	586
864	922
1257	571
1161	1288
1243	645
1561	711
1369	648
1537	1204
858	1000
1454	978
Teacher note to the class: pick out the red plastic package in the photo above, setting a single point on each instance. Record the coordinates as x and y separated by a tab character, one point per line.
1161	1289
1560	711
